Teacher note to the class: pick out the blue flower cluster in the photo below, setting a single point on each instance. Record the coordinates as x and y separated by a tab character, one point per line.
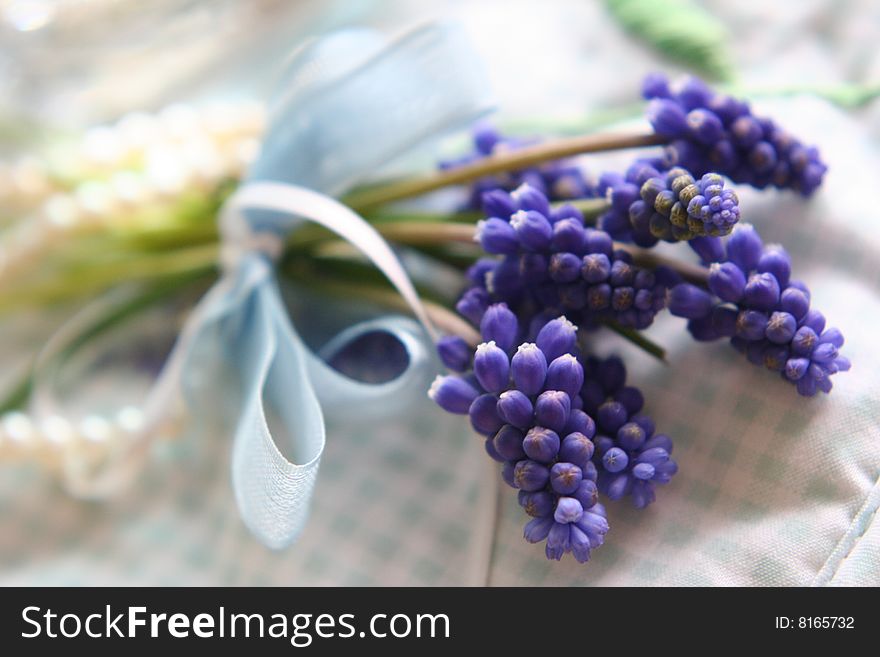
649	204
529	400
558	180
552	264
630	456
716	132
753	301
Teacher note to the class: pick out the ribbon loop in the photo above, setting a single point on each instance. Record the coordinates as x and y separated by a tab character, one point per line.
350	104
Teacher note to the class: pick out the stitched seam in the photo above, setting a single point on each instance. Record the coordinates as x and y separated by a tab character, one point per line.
864	518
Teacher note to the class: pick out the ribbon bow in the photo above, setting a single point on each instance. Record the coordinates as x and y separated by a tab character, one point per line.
350	103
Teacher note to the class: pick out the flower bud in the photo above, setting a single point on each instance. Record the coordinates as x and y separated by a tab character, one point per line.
473	304
751	324
529	368
814	320
557	337
776	261
667	117
558	541
530	199
580	422
530	475
533	230
761	292
781	328
796	368
615	460
508	470
598	241
744	247
497	203
746	131
565	373
489	446
568	510
832	336
655	85
726	281
499	325
594	524
491	367
617	487
483	415
631	436
710	249
540	504
453	394
587	493
631	398
774	357
515	408
564	267
496	235
576	448
565	478
689	301
580	544
762	157
568	236
454	352
595	268
552	409
704	126
508	443
611	416
599	296
804	341
541	444
537	530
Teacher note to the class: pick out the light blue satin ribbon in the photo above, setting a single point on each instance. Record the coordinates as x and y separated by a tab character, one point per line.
350	103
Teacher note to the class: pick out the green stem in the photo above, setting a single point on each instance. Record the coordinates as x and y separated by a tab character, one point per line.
639	339
648	259
91	278
506	161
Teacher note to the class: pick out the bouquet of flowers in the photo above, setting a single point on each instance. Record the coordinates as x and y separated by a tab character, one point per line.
545	253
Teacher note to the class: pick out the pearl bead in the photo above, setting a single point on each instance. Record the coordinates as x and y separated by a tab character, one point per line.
138	129
164	169
95	199
95	429
179	121
18	428
61	211
130	419
57	431
102	146
129	188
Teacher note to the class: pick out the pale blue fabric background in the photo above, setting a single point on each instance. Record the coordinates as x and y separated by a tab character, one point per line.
772	489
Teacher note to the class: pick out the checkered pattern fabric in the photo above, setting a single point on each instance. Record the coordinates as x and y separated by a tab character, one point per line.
773	489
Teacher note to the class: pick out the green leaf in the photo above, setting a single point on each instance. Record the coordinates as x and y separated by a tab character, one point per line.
681	30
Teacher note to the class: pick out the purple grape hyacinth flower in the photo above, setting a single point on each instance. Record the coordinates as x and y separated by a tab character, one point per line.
629	457
753	301
710	131
557	180
560	267
651	202
526	402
